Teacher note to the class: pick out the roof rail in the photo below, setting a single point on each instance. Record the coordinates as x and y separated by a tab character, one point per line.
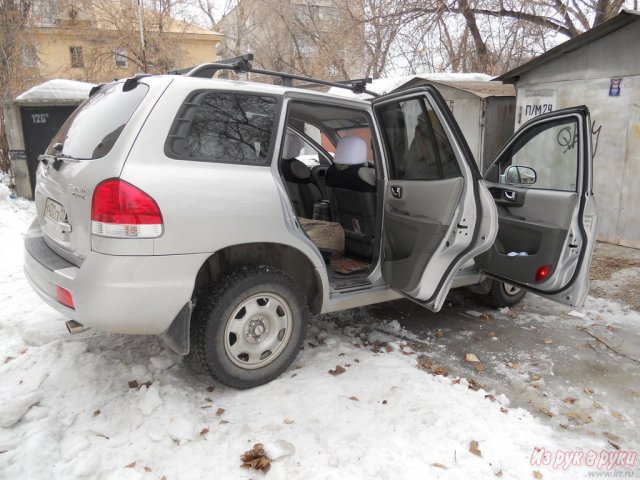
242	64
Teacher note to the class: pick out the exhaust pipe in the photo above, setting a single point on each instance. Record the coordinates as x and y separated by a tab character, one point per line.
74	327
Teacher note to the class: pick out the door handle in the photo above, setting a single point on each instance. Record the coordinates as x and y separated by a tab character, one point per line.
396	191
511	196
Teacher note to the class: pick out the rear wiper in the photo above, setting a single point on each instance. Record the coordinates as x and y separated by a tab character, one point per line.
64	156
57	160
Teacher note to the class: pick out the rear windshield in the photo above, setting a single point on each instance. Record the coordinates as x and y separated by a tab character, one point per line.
92	130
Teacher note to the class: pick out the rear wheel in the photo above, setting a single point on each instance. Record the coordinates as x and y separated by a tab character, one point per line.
503	294
248	329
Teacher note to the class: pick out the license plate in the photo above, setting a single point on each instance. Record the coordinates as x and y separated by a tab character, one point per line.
54	211
55	218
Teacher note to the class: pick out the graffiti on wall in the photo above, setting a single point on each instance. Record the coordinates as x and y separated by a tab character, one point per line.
595	137
568	137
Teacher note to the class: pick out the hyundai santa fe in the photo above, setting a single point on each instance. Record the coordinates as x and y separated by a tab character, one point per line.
178	205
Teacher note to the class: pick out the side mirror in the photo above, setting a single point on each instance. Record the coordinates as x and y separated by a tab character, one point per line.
520	175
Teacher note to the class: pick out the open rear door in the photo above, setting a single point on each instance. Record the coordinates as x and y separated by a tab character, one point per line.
437	213
541	183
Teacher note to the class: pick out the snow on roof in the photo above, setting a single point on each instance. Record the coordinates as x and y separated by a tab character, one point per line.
482	89
386	85
57	91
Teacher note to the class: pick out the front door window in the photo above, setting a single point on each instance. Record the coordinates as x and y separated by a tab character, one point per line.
546	158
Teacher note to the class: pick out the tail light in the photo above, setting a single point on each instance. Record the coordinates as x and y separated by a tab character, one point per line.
120	210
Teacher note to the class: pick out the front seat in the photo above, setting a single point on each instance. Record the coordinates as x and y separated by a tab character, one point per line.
351	188
297	177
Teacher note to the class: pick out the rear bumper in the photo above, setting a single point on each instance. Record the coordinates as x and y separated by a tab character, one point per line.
119	294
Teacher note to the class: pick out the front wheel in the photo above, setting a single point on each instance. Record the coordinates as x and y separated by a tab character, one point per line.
248	329
503	294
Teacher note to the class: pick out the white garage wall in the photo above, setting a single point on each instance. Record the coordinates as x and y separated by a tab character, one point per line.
616	125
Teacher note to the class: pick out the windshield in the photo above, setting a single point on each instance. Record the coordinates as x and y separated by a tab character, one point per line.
93	129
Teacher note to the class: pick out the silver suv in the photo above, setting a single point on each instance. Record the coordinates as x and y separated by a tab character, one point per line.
178	205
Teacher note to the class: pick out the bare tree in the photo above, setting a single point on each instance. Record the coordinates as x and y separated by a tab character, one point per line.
494	35
18	60
315	38
141	35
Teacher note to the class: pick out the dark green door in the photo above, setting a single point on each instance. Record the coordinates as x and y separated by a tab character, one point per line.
39	125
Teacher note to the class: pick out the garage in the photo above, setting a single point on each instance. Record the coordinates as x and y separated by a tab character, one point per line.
600	69
32	120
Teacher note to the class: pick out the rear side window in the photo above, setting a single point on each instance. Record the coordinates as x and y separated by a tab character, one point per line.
224	127
93	129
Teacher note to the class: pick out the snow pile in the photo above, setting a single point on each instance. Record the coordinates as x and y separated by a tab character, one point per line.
386	85
4	191
58	90
107	406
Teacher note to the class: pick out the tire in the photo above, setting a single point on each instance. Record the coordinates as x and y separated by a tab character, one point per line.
248	329
503	294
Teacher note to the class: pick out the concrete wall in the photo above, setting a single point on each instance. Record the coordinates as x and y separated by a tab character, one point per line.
584	77
616	136
615	55
17	151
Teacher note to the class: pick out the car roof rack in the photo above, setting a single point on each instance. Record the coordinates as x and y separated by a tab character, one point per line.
242	64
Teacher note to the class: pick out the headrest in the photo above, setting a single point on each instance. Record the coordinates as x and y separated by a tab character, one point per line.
292	146
351	151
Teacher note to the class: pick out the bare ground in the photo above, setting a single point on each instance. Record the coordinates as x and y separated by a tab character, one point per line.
615	274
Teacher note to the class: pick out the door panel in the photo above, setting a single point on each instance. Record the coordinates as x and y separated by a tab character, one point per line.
437	214
542	206
547	223
415	225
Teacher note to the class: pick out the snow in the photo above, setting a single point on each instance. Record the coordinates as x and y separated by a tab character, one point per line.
386	85
68	409
57	90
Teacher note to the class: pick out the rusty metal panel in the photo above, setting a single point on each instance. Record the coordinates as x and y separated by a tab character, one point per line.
500	114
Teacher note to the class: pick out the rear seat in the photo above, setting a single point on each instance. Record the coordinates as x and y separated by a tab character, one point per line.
297	176
351	187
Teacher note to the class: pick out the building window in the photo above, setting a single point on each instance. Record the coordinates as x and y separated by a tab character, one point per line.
120	56
306	48
77	59
304	14
327	14
43	12
30	56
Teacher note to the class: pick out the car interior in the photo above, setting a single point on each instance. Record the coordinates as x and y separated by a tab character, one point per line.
327	165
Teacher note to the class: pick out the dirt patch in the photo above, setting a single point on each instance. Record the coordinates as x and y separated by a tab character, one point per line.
603	267
624	288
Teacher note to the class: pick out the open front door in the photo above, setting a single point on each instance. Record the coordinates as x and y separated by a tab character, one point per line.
542	185
437	213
